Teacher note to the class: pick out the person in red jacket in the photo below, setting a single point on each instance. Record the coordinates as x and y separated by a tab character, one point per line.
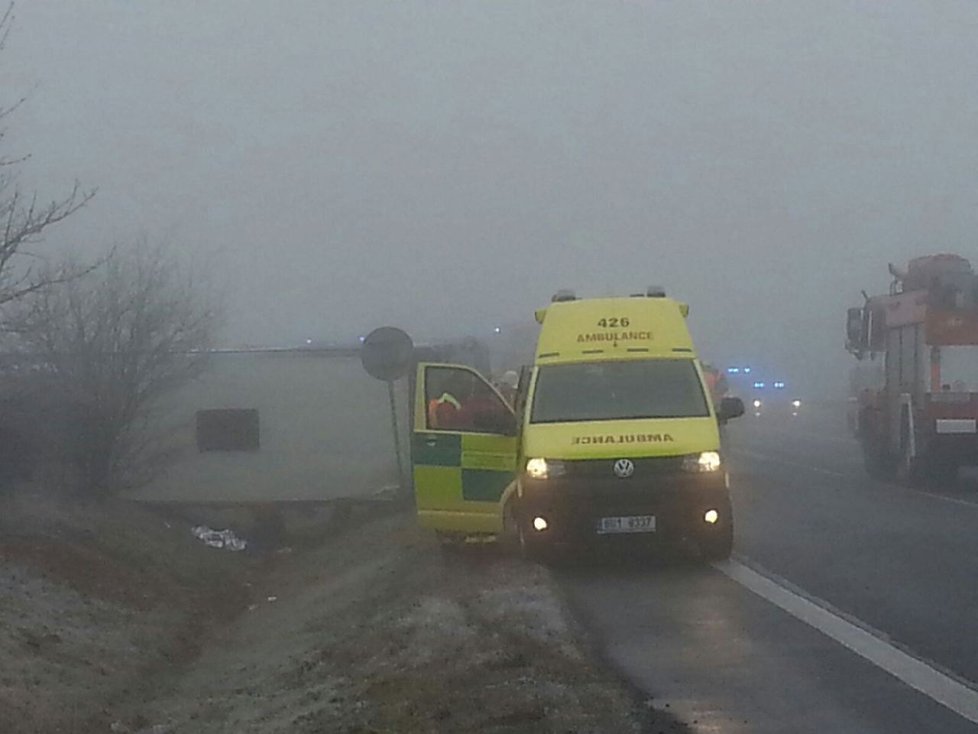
466	404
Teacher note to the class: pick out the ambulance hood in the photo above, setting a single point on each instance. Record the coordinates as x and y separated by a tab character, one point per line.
615	439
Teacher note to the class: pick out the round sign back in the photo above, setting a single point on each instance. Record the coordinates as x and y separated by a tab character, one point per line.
387	353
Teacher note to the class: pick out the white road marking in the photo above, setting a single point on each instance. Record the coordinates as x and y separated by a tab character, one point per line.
916	673
846	475
791	464
816	437
942	497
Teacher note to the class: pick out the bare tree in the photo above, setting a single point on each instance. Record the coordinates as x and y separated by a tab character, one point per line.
24	216
108	345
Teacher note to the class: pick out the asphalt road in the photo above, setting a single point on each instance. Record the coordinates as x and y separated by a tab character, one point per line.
851	605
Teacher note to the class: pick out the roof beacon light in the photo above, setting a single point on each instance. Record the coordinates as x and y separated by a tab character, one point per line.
564	294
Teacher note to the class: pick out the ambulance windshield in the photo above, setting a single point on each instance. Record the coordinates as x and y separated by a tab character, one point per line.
596	391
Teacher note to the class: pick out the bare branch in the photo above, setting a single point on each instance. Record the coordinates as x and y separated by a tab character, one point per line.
113	340
24	217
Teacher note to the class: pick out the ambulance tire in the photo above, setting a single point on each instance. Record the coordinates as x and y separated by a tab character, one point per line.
510	538
530	548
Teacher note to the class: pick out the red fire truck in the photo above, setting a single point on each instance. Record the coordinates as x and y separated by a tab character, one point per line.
920	424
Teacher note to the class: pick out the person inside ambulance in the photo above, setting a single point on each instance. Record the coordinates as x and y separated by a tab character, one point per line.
507	384
463	403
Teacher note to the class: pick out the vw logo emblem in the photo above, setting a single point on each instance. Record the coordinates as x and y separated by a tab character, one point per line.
624	468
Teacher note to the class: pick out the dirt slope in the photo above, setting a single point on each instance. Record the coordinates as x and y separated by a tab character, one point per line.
381	631
114	619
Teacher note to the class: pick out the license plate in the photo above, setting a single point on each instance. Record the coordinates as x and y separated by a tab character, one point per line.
633	524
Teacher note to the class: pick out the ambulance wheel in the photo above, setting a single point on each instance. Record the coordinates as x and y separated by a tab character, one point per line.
532	549
528	550
511	538
518	537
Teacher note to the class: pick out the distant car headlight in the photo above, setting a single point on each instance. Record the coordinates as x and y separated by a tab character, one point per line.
757	403
796	403
708	461
540	468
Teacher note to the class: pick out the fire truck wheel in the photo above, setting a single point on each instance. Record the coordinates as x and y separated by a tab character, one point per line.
925	471
910	471
940	473
878	463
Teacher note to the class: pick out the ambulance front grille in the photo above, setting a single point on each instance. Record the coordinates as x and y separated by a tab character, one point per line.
644	467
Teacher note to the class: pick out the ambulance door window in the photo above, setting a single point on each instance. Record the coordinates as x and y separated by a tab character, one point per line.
461	400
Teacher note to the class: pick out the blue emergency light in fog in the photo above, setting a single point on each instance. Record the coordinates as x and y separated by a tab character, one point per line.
760	385
779	385
733	370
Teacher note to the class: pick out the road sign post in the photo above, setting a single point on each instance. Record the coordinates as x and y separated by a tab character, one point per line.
387	354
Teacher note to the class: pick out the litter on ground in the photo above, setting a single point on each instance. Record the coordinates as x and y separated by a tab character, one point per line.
224	539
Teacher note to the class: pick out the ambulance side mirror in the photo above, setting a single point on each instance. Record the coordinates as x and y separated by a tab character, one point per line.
730	408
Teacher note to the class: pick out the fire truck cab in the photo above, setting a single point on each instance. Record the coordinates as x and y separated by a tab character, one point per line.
920	423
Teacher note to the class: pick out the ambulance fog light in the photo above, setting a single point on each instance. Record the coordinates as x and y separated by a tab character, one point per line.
708	461
711	517
543	469
540	524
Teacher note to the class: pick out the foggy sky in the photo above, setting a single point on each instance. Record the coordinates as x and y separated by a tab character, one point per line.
446	166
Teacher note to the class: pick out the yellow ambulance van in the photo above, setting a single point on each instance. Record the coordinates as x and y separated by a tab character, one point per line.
612	435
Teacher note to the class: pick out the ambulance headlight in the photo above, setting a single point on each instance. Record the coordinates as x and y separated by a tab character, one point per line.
544	468
708	461
796	403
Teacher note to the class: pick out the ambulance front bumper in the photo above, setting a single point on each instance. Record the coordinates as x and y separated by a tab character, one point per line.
595	509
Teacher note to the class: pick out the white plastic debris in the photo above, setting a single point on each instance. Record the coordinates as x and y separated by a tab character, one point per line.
224	539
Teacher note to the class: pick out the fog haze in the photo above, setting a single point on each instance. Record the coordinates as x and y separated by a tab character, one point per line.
446	166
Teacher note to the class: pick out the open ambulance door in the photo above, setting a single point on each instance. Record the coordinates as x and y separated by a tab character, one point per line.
463	452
